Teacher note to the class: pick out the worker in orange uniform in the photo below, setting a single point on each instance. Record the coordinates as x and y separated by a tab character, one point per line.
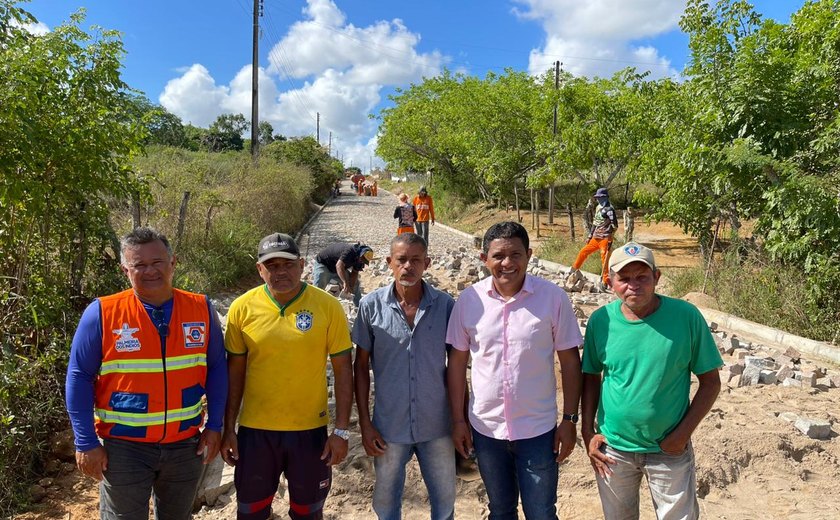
425	212
604	224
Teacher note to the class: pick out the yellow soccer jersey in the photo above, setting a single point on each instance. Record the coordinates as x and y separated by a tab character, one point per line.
287	348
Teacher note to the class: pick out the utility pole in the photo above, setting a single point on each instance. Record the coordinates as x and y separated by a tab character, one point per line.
551	188
370	164
318	127
255	75
329	147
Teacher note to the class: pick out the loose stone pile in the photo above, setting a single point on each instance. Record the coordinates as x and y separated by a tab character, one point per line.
749	364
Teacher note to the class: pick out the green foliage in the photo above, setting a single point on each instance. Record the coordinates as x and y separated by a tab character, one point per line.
308	154
266	132
751	284
68	135
753	134
31	408
475	135
601	127
225	133
233	203
162	127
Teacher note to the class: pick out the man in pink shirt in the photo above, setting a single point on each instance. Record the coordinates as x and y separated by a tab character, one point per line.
512	323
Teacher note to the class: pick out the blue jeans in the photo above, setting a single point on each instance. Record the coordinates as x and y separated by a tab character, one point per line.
525	466
136	470
671	481
437	465
322	276
422	229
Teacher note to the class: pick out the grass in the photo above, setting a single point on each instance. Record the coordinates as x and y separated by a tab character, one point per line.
564	251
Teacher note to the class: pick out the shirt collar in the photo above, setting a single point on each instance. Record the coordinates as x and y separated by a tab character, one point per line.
429	295
527	287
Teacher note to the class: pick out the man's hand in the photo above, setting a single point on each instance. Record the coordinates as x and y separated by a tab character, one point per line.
208	445
334	451
564	440
673	444
433	222
230	448
462	438
93	462
372	440
599	460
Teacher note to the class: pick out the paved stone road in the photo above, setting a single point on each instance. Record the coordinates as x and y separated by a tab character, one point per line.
370	220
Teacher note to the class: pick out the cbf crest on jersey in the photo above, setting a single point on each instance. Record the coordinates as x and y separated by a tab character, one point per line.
303	321
126	341
194	334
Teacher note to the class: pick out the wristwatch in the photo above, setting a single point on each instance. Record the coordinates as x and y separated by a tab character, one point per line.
342	434
571	417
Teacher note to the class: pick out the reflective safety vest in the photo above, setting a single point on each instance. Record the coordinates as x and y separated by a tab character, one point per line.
150	383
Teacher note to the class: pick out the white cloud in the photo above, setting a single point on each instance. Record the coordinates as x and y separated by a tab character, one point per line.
37	28
595	38
194	96
326	65
584	58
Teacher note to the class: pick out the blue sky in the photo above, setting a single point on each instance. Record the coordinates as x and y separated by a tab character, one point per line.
342	58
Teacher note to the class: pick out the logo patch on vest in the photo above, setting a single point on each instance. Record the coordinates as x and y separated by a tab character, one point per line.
194	333
126	341
303	322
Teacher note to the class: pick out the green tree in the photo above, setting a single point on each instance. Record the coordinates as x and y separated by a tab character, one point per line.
266	132
225	133
67	136
163	127
602	125
417	134
753	132
475	134
307	153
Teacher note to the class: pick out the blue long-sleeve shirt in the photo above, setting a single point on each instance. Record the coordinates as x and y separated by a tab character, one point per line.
86	359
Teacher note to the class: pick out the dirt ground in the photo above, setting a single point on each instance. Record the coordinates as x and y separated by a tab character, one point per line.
750	463
674	249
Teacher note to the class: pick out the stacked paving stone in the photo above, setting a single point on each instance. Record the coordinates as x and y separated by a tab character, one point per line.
748	364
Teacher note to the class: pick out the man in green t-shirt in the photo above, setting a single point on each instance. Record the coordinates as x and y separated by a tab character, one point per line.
646	346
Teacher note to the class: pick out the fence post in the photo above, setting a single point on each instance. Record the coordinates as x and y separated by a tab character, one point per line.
571	220
135	210
182	216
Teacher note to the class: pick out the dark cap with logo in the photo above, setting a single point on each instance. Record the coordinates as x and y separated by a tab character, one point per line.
365	254
277	245
601	192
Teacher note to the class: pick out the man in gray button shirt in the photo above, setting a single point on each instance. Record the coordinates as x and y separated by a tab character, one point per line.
401	331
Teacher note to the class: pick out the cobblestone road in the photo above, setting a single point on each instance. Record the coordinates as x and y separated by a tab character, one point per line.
369	220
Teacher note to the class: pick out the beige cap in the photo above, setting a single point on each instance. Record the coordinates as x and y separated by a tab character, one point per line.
629	253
